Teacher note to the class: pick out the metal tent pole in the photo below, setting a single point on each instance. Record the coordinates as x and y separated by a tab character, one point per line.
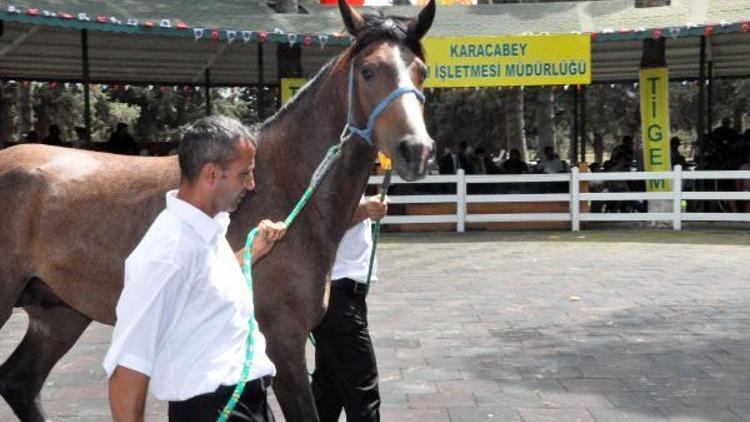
207	80
86	90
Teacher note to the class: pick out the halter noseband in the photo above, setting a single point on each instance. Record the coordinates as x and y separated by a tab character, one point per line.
366	132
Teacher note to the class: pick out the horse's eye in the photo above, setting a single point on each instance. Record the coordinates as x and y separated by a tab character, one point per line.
367	73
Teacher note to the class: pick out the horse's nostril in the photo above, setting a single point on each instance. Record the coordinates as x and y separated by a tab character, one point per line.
414	151
404	150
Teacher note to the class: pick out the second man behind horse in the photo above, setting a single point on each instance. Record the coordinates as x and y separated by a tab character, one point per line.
346	373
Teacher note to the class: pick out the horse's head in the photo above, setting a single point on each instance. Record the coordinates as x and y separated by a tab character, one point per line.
386	70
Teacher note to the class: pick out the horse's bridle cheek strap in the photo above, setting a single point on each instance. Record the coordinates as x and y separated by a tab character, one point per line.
366	132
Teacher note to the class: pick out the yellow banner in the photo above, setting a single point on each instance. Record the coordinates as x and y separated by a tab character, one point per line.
289	87
654	85
559	59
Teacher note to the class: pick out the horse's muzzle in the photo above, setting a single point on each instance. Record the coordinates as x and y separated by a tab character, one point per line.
412	157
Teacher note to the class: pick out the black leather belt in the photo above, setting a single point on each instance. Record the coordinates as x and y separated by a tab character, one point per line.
262	383
348	284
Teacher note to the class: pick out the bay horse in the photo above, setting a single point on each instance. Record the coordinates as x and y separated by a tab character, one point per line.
70	217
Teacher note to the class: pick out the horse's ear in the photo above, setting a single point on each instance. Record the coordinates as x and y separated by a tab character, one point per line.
352	19
422	23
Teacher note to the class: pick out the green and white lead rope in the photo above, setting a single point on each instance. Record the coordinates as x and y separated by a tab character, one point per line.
385	164
332	155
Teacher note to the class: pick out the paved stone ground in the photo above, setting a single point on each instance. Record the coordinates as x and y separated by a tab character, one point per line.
624	326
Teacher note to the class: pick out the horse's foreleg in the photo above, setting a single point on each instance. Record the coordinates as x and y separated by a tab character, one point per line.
52	331
11	289
286	348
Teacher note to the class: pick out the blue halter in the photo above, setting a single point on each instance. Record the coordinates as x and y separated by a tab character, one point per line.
366	132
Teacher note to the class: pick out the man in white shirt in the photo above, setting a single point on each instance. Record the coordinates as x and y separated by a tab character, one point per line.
346	374
183	315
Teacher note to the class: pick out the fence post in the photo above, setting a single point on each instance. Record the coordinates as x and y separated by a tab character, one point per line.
460	200
575	202
677	197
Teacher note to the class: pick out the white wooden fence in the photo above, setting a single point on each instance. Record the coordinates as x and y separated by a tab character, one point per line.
674	214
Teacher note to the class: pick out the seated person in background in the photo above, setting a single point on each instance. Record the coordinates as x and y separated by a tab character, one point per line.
449	161
551	163
624	147
743	185
677	158
54	136
32	137
596	186
464	156
622	164
122	142
483	163
80	141
514	164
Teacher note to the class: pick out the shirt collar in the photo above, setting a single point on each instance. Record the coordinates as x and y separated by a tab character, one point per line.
208	228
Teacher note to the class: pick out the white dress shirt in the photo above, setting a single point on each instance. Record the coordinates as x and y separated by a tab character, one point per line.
353	255
182	317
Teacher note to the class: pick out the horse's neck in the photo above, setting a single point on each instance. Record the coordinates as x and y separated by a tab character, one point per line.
289	150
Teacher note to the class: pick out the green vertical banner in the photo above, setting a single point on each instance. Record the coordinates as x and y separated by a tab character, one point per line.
655	124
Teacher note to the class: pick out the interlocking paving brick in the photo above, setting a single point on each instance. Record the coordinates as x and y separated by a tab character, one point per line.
624	414
587	385
497	414
414	415
440	400
555	415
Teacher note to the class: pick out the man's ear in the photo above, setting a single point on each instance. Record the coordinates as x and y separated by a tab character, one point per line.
210	173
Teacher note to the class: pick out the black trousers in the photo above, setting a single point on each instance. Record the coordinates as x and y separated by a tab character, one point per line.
346	374
252	405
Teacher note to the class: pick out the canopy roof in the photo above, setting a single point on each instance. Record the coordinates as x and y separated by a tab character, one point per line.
173	42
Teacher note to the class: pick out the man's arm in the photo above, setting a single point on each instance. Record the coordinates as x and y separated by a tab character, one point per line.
127	394
369	208
147	306
268	234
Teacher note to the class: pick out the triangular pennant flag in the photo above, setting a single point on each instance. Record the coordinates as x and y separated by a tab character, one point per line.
197	33
231	36
247	36
675	32
83	17
13	9
133	22
292	39
114	20
165	23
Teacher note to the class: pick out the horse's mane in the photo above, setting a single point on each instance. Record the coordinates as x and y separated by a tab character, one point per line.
377	28
309	87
